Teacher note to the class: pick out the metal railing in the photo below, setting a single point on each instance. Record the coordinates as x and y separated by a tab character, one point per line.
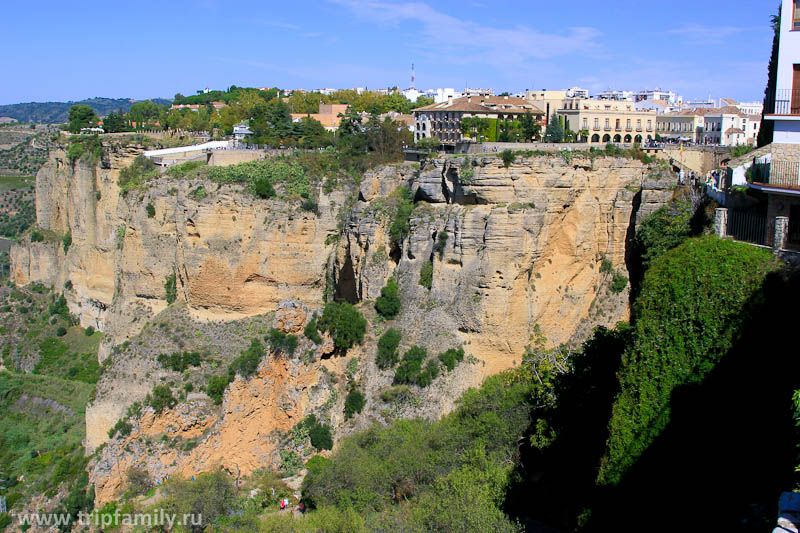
747	226
783	102
777	172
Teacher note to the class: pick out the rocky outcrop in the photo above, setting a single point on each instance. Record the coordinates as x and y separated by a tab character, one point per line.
522	257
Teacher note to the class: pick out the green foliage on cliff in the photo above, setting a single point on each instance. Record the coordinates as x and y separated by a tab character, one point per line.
387	349
692	305
171	288
136	174
344	322
388	303
404	206
426	274
353	403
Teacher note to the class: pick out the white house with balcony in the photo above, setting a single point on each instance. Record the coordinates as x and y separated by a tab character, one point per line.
780	177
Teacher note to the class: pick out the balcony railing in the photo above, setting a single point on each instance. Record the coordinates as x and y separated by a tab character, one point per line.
786	173
783	102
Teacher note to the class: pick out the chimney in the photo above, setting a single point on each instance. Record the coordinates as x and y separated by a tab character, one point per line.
449	99
469	99
505	97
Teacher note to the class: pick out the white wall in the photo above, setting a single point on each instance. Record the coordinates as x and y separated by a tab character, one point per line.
786	132
789	52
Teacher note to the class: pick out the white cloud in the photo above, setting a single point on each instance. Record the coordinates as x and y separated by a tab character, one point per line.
701	34
464	41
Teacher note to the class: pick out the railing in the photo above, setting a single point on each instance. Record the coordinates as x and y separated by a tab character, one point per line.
783	102
747	226
777	172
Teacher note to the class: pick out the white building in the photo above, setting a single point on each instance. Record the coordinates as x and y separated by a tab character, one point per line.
658	95
326	91
577	92
443	95
622	96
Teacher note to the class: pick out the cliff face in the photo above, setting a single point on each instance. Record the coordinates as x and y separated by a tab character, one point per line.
521	259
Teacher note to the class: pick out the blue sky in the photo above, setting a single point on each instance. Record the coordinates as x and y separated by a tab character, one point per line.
72	49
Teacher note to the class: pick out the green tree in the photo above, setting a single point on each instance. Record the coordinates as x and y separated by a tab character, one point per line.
387	348
767	128
388	303
81	116
353	403
554	132
210	495
113	123
530	129
345	323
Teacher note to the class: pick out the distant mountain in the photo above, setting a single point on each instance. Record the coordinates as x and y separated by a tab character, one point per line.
56	112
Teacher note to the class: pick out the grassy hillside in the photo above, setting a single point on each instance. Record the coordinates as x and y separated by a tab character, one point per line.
56	112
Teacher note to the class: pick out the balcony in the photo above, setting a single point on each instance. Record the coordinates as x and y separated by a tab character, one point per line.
778	173
785	102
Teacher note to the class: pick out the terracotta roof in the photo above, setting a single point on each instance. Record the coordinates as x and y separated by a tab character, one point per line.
732	131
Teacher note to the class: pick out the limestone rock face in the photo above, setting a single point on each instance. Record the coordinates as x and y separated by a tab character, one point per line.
521	258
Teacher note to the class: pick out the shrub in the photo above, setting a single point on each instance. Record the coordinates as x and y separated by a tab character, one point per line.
161	398
216	388
36	236
426	274
353	403
66	240
89	331
151	211
606	267
451	358
136	174
263	188
387	349
210	495
122	428
310	205
441	243
281	342
345	324
68	285
61	331
388	303
410	368
400	227
693	302
247	363
171	288
138	481
198	194
311	331
508	157
319	433
178	362
619	283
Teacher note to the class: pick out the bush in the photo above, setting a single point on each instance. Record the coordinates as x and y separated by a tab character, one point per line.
36	236
263	188
210	495
410	369
122	428
693	302
508	157
247	363
451	358
216	388
66	240
319	434
161	398
387	349
400	227
178	362
171	288
619	283
345	324
310	205
89	331
281	342
441	243
606	267
151	211
311	332
388	303
61	331
353	403
426	274
138	481
136	174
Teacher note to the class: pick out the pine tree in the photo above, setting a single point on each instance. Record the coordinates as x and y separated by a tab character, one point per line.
554	132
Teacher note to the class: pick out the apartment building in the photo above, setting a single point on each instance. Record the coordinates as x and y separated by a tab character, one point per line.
443	120
779	178
604	121
686	126
726	126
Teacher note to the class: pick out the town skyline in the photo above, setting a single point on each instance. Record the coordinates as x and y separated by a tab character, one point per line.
722	51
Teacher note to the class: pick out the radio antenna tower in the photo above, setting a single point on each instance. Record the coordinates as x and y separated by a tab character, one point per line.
412	76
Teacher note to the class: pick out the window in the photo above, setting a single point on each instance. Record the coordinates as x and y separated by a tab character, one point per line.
607	124
628	124
585	123
796	16
648	124
597	123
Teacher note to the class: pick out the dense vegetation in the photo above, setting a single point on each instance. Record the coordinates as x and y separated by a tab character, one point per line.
56	112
